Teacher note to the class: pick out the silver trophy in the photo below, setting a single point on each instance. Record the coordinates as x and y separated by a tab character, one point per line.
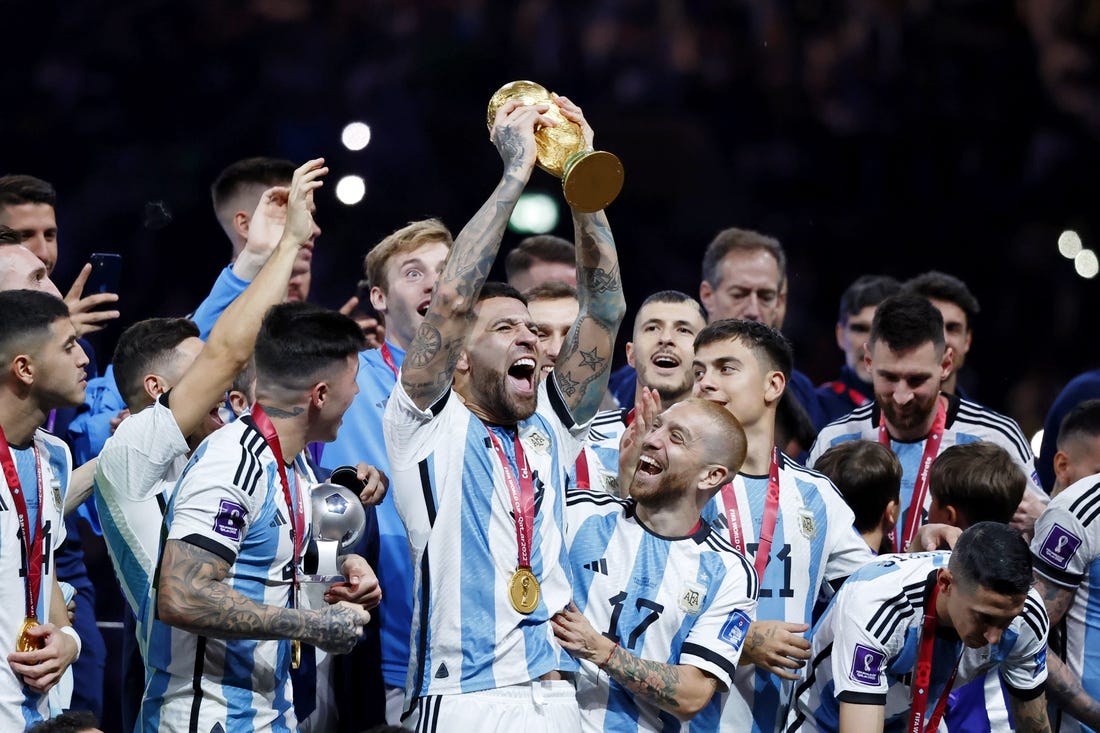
339	521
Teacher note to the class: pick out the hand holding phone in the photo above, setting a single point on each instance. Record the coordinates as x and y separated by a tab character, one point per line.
95	286
106	273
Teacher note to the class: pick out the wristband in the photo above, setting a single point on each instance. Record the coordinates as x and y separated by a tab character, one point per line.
70	631
610	654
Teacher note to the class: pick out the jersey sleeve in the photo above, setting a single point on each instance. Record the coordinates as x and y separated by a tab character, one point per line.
412	433
218	496
717	637
137	456
1061	550
1024	669
859	659
226	289
569	434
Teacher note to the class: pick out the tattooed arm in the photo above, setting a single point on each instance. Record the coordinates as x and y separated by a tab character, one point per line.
583	367
192	594
1063	686
431	358
680	689
1029	716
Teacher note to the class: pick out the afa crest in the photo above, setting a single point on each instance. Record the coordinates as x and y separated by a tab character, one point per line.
806	524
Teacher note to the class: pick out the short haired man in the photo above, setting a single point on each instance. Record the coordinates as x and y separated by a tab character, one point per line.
27	206
853	328
949	615
402	270
43	370
554	307
478	468
974	482
20	269
789	521
173	384
1078	444
959	308
660	350
541	259
228	618
868	476
663	601
909	359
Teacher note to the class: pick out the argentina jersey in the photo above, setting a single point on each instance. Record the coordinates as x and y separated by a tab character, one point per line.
1066	553
230	502
137	469
865	646
814	548
686	600
597	467
967	422
21	707
448	484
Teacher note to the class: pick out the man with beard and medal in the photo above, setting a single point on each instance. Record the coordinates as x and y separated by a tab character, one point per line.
909	361
478	466
43	370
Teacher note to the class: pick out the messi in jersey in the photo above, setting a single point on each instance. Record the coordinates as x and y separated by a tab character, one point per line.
981	613
663	601
909	359
479	450
743	366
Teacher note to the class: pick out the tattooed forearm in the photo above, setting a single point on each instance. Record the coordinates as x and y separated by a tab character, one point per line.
655	682
192	595
1030	716
1057	600
1065	691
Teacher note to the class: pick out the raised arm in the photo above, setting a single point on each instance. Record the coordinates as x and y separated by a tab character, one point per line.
584	364
430	361
233	338
192	594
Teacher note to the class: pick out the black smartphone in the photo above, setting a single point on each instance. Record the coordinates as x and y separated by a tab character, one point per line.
106	272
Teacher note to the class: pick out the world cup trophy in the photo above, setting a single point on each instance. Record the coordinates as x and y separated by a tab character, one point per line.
591	179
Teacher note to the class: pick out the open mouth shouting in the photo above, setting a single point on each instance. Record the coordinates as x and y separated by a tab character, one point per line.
666	362
422	309
521	375
649	465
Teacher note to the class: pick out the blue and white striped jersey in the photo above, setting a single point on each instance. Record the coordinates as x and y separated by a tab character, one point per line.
814	548
137	471
685	600
967	422
1066	552
20	707
599	459
449	487
229	501
864	647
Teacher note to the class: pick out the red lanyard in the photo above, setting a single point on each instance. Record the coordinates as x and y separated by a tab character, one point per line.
920	486
32	549
298	516
767	524
387	356
923	674
522	496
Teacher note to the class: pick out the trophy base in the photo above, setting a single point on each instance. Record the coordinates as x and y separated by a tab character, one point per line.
592	180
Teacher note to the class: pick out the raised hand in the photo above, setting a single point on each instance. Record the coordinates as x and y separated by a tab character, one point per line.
513	134
82	309
646	408
572	112
300	206
265	228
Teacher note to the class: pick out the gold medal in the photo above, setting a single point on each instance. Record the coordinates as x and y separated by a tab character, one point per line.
523	591
295	654
26	642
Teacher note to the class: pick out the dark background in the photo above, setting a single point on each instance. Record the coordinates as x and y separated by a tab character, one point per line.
889	137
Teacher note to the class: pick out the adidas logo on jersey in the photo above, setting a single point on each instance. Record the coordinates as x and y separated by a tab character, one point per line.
597	566
279	519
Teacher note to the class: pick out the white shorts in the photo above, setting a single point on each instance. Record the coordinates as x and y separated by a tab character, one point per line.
548	706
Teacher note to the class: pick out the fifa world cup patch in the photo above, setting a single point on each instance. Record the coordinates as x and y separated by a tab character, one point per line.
229	520
736	628
866	665
1059	546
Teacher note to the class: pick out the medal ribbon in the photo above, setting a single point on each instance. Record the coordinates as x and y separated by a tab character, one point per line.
297	509
387	356
522	495
32	549
920	486
767	523
923	674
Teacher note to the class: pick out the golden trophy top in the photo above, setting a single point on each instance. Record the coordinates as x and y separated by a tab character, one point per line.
555	144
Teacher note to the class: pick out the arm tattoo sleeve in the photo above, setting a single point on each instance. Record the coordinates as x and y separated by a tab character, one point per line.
655	682
1030	716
